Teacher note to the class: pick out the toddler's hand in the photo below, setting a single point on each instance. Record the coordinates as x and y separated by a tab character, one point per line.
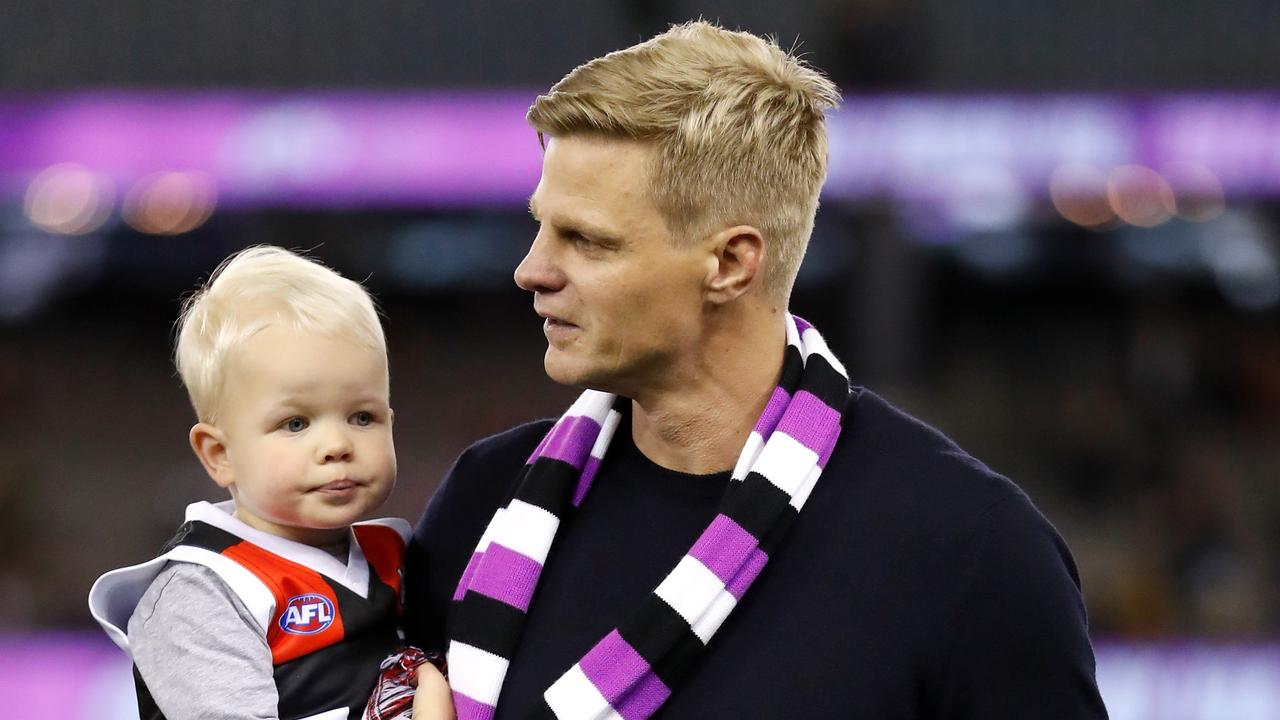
410	686
433	700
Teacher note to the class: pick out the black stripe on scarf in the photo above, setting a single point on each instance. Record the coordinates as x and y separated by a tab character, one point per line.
487	624
755	504
822	381
549	484
664	639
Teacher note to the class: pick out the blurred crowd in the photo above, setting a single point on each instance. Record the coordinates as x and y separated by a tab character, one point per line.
1142	420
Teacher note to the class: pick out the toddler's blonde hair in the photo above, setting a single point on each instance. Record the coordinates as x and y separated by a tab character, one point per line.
254	288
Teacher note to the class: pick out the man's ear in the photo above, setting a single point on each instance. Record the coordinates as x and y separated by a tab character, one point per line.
739	253
210	446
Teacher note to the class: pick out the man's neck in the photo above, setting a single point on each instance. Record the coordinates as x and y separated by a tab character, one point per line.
699	420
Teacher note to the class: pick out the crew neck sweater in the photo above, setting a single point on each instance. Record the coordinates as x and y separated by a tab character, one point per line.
916	582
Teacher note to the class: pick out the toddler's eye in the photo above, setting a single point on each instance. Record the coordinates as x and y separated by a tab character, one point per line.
362	418
295	424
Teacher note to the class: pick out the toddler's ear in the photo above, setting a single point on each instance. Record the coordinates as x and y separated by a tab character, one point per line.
209	445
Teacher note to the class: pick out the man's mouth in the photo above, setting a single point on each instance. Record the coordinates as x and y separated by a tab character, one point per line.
553	323
558	331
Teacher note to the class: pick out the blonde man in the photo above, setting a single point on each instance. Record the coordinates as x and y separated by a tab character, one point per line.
721	526
275	603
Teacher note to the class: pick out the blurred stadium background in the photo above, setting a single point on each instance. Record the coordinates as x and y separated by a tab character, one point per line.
1050	230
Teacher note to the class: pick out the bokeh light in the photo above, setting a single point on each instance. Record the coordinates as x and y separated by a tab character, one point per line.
1079	192
1244	261
170	203
68	199
1140	196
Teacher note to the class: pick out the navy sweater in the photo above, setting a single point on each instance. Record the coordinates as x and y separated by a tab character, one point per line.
915	584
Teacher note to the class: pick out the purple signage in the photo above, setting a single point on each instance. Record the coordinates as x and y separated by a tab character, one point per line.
81	675
312	150
474	149
72	675
1189	681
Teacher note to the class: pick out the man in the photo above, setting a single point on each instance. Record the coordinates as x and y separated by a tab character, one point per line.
721	527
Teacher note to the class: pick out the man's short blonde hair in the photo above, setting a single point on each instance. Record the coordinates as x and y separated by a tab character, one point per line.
251	290
738	123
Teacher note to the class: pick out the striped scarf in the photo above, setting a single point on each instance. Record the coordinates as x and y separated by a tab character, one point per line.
632	671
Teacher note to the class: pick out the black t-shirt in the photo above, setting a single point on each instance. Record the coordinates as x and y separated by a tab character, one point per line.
915	584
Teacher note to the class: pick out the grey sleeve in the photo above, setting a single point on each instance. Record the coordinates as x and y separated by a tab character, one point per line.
199	650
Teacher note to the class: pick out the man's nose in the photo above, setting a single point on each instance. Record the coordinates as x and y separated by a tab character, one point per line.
538	271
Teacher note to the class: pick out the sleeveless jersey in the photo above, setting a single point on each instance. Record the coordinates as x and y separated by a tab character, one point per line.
328	625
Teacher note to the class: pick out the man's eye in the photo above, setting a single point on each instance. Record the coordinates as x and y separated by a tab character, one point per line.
295	424
362	418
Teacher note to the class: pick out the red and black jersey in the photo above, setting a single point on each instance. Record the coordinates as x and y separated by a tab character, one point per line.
327	634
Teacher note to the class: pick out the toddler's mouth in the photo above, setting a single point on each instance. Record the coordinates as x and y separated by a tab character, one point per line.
338	486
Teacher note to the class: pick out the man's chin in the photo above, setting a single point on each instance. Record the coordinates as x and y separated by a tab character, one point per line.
559	368
566	370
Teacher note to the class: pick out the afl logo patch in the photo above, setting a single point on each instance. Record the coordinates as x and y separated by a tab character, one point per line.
307	614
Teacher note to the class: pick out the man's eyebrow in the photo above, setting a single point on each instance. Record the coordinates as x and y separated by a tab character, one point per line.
579	226
596	233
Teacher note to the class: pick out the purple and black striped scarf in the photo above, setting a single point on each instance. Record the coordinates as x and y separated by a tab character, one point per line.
632	671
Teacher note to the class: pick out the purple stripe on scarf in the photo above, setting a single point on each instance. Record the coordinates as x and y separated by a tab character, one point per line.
465	581
723	547
772	412
811	422
584	481
645	699
506	575
613	666
737	587
801	324
824	454
471	709
571	440
623	677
